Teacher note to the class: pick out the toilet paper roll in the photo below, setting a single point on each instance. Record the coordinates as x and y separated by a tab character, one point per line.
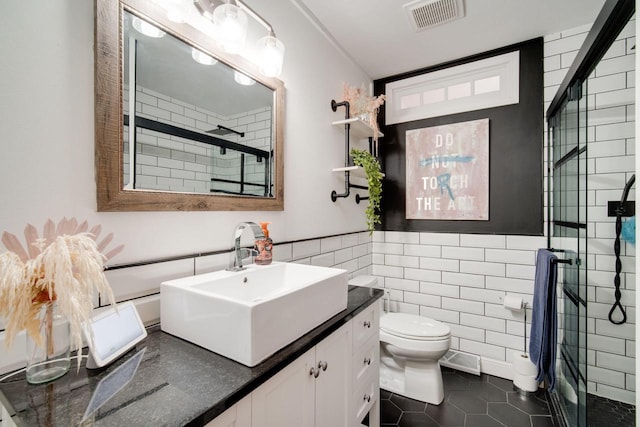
524	373
523	365
526	383
512	303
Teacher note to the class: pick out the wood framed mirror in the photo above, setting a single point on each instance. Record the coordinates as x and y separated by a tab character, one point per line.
197	139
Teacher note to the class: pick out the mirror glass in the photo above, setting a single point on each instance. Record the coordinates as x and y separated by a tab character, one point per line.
199	125
201	131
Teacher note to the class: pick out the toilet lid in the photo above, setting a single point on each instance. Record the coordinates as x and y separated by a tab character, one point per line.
413	326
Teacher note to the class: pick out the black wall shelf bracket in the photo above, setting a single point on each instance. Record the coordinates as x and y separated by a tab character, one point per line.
347	127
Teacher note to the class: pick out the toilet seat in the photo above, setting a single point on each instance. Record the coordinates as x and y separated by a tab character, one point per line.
414	327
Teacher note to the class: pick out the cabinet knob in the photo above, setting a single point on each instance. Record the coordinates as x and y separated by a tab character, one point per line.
367	398
315	372
367	361
367	324
323	365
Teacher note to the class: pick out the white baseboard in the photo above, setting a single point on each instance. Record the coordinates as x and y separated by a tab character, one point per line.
497	368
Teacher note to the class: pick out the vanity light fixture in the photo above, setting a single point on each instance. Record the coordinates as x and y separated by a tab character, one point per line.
147	29
270	49
243	79
229	30
201	57
231	24
271	55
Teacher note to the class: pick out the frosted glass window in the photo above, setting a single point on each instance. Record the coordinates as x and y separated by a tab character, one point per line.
490	84
461	90
433	96
486	83
410	101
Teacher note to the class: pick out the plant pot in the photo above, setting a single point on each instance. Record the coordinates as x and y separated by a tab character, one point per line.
48	357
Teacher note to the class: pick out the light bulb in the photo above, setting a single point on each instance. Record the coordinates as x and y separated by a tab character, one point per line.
270	56
243	79
202	57
147	29
176	10
231	27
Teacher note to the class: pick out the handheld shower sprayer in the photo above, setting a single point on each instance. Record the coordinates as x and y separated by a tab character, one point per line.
621	209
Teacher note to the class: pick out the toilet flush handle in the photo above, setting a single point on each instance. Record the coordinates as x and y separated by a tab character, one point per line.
367	324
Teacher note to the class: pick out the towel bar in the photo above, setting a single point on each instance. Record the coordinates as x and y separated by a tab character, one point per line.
562	261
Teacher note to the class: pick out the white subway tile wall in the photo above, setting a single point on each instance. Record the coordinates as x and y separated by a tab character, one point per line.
611	163
463	287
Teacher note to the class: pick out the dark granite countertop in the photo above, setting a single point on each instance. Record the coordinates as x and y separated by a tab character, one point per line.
176	383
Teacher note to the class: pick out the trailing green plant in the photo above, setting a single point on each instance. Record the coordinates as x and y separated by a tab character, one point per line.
372	169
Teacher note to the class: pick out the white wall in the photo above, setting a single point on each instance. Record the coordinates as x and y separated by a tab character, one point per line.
47	131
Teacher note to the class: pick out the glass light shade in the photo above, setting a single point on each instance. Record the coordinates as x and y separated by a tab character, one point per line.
270	56
143	27
201	57
243	79
175	14
176	10
231	27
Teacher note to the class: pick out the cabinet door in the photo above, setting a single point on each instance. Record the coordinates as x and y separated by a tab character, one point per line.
333	383
287	399
239	415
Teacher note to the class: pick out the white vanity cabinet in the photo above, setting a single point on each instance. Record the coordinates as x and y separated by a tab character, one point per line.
334	384
312	391
239	415
365	366
287	399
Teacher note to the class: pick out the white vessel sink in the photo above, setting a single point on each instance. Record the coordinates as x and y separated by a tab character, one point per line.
249	315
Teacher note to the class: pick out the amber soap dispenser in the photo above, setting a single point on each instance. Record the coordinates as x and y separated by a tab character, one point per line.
264	246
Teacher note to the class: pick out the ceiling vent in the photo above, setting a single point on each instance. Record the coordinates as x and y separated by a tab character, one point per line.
424	14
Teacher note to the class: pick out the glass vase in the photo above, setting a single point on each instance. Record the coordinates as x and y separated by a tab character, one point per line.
48	358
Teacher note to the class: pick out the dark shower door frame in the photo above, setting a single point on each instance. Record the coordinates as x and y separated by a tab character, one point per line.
567	119
567	235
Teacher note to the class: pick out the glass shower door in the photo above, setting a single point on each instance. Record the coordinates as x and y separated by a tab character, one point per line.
567	235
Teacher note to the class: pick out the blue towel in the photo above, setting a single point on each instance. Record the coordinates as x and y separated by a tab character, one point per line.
542	341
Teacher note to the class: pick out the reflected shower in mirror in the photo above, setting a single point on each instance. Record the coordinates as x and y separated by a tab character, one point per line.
199	125
193	135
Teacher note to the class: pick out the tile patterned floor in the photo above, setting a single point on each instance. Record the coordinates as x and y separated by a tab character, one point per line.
487	401
602	412
470	401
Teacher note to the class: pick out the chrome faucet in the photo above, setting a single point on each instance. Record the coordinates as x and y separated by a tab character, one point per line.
238	254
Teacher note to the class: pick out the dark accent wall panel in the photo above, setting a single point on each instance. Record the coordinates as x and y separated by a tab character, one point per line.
515	155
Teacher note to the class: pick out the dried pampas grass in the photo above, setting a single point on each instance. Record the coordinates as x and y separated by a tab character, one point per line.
360	103
65	265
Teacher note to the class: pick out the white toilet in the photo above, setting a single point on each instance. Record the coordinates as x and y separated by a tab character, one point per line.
410	347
